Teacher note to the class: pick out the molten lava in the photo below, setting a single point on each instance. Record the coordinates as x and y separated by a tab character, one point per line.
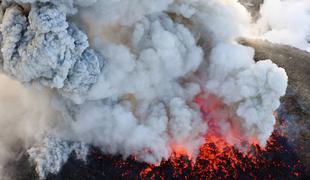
218	159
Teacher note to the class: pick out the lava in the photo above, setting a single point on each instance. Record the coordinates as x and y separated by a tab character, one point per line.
217	159
219	118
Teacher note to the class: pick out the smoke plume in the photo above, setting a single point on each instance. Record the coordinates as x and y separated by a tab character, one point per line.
123	76
285	22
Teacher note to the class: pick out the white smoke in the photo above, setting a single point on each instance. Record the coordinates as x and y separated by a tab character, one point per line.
250	87
122	76
286	22
53	152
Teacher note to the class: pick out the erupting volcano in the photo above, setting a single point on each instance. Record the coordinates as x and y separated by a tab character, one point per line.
216	159
154	89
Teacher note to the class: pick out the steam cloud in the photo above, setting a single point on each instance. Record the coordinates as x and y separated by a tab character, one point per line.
285	22
123	76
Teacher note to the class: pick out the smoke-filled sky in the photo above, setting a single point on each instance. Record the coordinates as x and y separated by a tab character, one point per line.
122	75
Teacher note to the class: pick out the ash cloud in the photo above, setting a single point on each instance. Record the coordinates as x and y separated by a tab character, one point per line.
59	51
123	76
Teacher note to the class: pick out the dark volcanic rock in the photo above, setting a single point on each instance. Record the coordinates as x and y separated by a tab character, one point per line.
253	6
20	169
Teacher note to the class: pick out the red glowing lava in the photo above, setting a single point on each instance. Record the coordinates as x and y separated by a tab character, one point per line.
222	123
217	159
220	159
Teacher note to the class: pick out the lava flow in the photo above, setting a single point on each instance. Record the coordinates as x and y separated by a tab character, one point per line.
217	160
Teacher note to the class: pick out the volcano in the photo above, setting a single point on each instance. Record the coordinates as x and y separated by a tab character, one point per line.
280	159
154	89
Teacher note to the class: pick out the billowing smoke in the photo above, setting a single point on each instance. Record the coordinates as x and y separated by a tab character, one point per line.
123	76
286	22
